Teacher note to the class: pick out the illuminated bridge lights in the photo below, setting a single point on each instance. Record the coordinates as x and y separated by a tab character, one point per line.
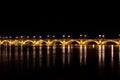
38	42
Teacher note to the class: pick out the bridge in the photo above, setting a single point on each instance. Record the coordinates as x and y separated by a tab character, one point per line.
51	42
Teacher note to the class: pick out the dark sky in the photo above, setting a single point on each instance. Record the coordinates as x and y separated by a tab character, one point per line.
58	25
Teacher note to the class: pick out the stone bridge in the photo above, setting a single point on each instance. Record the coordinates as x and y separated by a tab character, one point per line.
39	42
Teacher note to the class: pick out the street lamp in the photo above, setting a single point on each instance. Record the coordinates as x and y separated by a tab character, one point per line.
68	36
119	35
63	36
103	36
10	37
40	36
99	36
6	37
16	37
28	37
21	36
33	36
85	36
48	36
80	35
53	36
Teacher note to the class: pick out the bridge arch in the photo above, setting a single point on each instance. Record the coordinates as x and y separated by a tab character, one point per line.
54	42
40	42
71	41
107	41
5	42
89	41
28	42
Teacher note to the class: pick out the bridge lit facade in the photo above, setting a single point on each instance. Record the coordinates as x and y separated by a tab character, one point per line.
52	42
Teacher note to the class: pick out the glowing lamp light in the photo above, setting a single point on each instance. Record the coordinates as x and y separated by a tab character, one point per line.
85	35
63	35
103	36
119	35
68	36
10	37
53	36
48	35
16	37
6	37
100	35
33	36
21	36
40	36
28	37
80	35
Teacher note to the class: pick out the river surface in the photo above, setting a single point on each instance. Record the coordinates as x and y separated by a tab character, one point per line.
84	62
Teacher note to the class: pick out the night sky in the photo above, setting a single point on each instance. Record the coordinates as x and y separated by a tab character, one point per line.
58	25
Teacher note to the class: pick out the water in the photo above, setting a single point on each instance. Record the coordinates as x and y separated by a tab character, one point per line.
61	62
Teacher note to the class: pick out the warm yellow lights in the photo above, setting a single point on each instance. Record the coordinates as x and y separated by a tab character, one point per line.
50	42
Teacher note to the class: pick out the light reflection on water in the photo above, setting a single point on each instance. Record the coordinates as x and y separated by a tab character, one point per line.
40	57
101	55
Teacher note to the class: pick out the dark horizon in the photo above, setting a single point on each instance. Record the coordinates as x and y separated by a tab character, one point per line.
58	25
